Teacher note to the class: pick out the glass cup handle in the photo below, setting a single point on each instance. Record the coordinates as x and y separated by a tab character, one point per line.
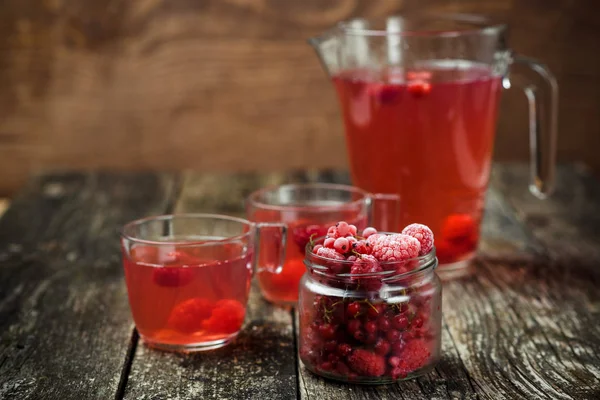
384	211
542	98
276	234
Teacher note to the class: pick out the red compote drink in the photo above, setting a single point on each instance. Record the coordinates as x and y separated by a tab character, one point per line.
182	296
426	134
370	305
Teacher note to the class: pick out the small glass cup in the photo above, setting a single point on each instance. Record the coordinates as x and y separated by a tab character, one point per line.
374	328
308	210
188	277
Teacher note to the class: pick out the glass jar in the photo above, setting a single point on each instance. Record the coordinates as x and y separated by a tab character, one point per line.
372	328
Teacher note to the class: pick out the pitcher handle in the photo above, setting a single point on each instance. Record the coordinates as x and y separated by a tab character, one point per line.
543	117
279	242
384	211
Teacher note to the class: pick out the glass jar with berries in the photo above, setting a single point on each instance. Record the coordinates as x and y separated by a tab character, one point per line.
370	305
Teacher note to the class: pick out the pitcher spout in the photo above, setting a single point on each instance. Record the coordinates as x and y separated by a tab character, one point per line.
326	46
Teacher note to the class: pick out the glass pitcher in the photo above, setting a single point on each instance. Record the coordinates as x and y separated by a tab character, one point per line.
419	97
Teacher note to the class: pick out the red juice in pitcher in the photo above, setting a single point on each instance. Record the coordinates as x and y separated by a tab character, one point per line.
427	135
186	296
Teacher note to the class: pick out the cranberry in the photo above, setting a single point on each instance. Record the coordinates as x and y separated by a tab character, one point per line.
330	346
383	324
353	326
344	349
353	309
392	336
400	322
371	327
374	311
327	331
382	347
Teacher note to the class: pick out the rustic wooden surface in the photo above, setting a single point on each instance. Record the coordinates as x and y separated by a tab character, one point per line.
523	326
171	84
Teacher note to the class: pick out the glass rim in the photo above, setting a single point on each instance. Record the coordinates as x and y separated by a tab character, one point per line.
481	25
426	261
252	199
183	243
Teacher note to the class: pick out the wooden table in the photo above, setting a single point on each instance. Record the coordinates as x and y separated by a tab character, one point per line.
526	325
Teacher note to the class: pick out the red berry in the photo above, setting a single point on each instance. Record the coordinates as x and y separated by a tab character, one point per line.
382	347
397	347
343	228
188	316
383	324
368	232
330	346
373	311
326	366
371	327
400	322
353	309
362	247
302	235
342	369
351	258
417	322
333	358
352	240
366	363
341	245
172	276
227	317
329	242
327	331
365	264
396	248
353	326
414	355
371	338
359	335
352	229
344	349
419	88
423	234
316	248
392	336
394	361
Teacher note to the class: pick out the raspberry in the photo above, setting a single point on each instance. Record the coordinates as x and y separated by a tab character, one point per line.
189	315
341	245
362	247
368	232
366	363
374	238
366	264
172	276
329	242
423	234
394	361
343	228
344	349
458	226
316	248
330	253
419	88
414	355
396	248
227	317
352	258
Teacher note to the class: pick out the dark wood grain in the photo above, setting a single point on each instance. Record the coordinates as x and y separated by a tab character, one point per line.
232	85
65	326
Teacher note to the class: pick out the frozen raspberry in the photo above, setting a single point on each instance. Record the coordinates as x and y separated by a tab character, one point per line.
423	234
374	238
227	317
352	229
332	232
362	247
352	258
330	253
343	228
368	232
414	355
341	245
366	264
396	248
366	363
172	276
329	243
189	315
316	248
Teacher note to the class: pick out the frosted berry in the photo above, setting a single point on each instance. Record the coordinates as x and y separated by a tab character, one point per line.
344	349
352	258
333	232
414	355
423	234
394	361
343	228
353	229
365	264
374	238
396	248
316	248
329	243
366	363
330	253
362	247
351	240
341	245
368	232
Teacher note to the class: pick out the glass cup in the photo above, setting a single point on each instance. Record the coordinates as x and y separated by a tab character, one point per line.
419	96
308	210
188	277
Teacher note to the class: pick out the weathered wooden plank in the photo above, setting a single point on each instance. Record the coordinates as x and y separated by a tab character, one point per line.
64	321
261	362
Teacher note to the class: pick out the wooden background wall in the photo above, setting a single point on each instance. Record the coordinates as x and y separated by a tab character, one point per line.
232	84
